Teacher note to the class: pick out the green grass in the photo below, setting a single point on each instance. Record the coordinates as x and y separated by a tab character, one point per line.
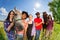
2	32
56	32
55	35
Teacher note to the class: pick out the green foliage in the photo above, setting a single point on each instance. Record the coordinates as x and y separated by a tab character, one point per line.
2	32
55	9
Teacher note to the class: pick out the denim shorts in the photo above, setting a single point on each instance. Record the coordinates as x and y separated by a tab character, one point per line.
19	37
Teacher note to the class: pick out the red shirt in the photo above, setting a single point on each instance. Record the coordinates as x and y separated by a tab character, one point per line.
38	20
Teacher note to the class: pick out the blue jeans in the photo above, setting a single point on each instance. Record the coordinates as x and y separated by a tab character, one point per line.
37	34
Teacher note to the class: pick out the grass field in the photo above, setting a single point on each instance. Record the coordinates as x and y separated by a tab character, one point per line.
2	32
55	35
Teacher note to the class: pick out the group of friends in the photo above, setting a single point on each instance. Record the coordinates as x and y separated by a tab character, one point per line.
18	28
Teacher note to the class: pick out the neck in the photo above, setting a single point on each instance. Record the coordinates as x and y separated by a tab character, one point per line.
23	19
10	19
30	20
38	17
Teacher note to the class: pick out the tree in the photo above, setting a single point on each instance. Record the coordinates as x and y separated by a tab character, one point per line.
55	9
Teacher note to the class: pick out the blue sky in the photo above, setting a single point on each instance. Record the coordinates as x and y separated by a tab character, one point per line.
23	5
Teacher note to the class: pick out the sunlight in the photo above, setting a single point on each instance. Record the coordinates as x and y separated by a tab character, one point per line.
37	5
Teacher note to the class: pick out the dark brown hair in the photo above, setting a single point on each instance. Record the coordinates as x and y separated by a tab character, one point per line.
37	13
24	12
50	16
8	17
45	17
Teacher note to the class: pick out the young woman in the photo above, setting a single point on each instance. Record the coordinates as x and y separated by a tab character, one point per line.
45	22
30	28
9	26
45	19
49	27
24	22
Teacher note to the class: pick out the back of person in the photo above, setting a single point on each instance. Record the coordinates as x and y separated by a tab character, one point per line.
18	25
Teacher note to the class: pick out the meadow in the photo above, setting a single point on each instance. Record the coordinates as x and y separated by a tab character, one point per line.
55	34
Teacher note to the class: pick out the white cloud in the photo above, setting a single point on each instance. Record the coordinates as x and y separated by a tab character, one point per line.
3	11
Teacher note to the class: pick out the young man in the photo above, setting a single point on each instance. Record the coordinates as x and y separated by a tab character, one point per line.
38	25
